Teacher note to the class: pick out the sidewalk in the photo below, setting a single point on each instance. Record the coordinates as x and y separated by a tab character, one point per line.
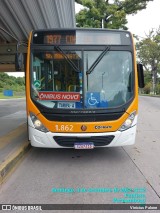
13	146
9	99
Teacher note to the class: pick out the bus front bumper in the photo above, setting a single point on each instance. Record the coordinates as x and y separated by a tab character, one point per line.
58	140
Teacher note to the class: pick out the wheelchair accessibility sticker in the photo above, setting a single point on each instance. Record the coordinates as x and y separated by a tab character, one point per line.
93	98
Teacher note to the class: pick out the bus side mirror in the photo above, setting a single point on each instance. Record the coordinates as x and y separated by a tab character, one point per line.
19	59
140	75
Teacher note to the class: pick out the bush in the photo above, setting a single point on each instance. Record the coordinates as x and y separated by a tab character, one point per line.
157	89
147	89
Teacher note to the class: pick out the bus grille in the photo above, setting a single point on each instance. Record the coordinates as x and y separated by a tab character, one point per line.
97	140
81	117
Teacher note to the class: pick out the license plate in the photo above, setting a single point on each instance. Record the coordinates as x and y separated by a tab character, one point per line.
87	145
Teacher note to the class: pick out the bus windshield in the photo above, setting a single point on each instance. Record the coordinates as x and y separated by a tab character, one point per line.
82	79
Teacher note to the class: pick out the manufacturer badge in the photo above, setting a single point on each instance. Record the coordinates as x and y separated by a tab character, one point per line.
103	127
83	128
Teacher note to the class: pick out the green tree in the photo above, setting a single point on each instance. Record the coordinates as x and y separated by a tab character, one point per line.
147	77
20	81
148	52
11	82
97	10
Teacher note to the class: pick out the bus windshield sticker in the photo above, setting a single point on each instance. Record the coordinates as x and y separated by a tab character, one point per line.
93	98
66	105
37	84
59	96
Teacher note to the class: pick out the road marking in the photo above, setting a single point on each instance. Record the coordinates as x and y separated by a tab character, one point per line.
17	115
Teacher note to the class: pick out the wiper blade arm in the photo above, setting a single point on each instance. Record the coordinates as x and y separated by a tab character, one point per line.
66	57
96	62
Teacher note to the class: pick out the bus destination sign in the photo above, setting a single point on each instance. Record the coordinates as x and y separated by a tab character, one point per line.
60	39
82	37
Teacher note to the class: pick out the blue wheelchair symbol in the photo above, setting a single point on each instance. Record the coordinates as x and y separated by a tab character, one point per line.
93	98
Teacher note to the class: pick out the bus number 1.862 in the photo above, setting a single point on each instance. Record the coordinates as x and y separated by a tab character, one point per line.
64	128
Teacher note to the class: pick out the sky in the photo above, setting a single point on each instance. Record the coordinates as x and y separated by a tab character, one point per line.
139	24
16	74
145	20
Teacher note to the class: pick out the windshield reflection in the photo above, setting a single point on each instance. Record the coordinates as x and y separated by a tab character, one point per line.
111	82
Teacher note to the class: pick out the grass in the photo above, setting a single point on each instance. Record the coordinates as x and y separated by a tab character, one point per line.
10	97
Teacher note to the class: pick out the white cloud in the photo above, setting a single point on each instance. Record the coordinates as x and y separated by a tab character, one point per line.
145	20
78	7
16	74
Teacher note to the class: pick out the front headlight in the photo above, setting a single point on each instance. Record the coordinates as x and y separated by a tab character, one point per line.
37	123
128	123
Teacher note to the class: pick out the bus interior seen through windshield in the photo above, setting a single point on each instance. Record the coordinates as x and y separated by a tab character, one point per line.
97	78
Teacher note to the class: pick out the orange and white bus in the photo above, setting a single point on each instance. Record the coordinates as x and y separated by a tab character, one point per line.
82	88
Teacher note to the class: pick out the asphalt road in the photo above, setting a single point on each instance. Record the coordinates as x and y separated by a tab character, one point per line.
43	171
12	114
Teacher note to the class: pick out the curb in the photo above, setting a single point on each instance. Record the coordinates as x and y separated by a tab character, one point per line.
7	166
9	99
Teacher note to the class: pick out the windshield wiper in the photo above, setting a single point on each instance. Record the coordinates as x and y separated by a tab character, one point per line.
96	62
66	57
